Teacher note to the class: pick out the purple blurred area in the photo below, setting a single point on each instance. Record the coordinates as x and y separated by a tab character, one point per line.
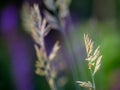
18	49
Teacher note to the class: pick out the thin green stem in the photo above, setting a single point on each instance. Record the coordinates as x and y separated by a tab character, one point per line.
51	83
93	81
54	87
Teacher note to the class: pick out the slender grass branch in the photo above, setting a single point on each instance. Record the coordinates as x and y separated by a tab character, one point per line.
93	80
94	62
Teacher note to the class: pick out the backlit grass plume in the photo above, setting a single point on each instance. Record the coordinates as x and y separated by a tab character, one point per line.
94	62
43	64
38	29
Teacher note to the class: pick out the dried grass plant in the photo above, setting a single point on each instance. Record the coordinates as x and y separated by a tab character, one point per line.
43	64
38	29
94	62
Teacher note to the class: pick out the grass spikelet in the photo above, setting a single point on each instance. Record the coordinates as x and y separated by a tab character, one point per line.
94	62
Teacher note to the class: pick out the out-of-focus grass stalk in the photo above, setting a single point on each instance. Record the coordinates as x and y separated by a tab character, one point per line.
64	13
37	27
62	16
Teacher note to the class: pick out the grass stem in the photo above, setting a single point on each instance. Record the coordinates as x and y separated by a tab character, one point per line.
93	81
